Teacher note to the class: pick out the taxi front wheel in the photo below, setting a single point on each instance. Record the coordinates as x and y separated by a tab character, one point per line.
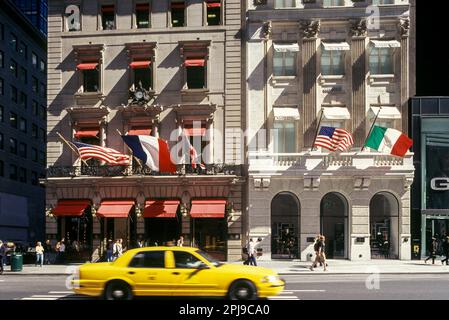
242	290
118	290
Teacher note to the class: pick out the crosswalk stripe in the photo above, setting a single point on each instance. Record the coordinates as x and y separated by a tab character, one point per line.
308	291
47	296
61	292
283	298
39	298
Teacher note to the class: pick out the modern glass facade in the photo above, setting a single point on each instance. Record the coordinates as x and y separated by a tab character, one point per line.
36	11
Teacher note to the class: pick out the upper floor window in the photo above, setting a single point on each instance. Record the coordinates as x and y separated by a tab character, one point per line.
23	100
2	114
35	107
1	141
34	131
285	3
13	145
143	15
178	13
2	32
90	75
34	179
143	76
34	60
13	42
42	66
108	17
381	2
2	92
284	137
195	73
43	113
23	175
34	154
381	60
332	63
23	75
333	3
12	172
14	94
13	68
213	12
2	169
89	59
13	119
284	59
23	150
34	85
23	125
23	49
2	64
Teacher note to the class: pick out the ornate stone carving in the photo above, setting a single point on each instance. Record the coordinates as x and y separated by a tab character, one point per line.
267	29
310	28
359	28
404	27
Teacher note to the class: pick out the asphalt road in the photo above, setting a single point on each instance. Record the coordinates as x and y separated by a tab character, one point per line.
299	287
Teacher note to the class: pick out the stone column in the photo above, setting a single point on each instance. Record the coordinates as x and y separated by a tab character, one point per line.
405	238
358	105
310	32
404	29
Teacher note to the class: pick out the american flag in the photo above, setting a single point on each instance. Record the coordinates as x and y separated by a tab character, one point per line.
108	155
333	139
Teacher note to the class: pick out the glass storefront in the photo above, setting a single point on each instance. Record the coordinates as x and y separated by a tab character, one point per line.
210	235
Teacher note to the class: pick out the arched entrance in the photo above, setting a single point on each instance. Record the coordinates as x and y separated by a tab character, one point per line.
334	225
384	226
285	216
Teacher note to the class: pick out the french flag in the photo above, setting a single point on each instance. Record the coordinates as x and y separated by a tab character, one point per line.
152	151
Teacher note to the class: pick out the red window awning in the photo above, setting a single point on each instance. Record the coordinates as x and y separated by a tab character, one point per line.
87	66
87	133
194	132
178	5
115	208
139	132
195	62
109	8
142	7
71	208
140	64
208	208
161	209
213	4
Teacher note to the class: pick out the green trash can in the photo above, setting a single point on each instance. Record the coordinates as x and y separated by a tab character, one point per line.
16	262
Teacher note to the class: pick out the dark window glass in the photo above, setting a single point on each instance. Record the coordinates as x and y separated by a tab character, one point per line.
23	100
23	175
13	119
34	154
213	13
91	80
23	75
13	68
2	115
2	144
2	168
43	135
35	108
13	172
34	179
196	77
149	259
177	13
2	64
42	158
34	60
143	76
43	113
34	131
23	49
2	92
35	85
42	66
13	94
23	150
13	42
186	260
43	90
13	145
2	32
108	17
143	15
23	125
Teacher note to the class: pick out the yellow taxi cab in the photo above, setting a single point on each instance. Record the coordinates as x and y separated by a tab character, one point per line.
174	271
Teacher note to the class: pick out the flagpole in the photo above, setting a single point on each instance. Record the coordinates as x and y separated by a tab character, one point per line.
137	159
73	149
372	127
317	129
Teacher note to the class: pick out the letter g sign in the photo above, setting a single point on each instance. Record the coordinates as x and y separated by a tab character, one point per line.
439	184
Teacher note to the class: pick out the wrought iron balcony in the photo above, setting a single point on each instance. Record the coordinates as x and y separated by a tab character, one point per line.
122	171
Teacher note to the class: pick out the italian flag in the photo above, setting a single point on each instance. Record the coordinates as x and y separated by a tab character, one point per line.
389	141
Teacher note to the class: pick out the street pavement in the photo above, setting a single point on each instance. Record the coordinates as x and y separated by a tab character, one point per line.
313	286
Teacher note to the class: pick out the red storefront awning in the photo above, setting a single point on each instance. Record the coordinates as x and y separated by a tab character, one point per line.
208	208
194	63
139	132
87	133
115	208
71	208
87	66
194	132
161	209
140	64
215	4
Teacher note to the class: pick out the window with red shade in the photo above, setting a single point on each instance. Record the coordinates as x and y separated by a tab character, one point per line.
178	13
213	12
143	15
108	17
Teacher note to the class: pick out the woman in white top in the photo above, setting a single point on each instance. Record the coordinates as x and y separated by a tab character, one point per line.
39	254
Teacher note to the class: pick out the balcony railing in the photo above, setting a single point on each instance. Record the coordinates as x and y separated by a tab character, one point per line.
324	161
122	171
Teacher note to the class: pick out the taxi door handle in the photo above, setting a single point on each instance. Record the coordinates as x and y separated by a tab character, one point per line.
131	272
176	273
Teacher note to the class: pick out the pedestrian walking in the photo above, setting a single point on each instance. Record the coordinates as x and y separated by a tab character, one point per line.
432	251
109	249
180	241
446	251
49	254
39	254
252	252
117	250
320	255
2	255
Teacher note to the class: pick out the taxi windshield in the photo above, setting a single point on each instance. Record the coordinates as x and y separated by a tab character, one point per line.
206	256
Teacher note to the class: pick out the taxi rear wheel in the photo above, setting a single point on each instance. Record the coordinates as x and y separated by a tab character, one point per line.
242	290
118	290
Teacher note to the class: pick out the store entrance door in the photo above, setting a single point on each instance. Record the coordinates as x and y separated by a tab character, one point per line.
438	228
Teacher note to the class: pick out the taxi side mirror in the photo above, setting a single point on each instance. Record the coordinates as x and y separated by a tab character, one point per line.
203	266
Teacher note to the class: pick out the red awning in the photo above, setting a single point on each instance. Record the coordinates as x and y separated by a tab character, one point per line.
178	5
208	208
194	63
107	8
161	209
139	132
214	4
140	64
87	133
87	66
195	132
115	208
71	208
142	7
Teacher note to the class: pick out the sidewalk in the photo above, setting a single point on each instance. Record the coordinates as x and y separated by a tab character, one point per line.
288	267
